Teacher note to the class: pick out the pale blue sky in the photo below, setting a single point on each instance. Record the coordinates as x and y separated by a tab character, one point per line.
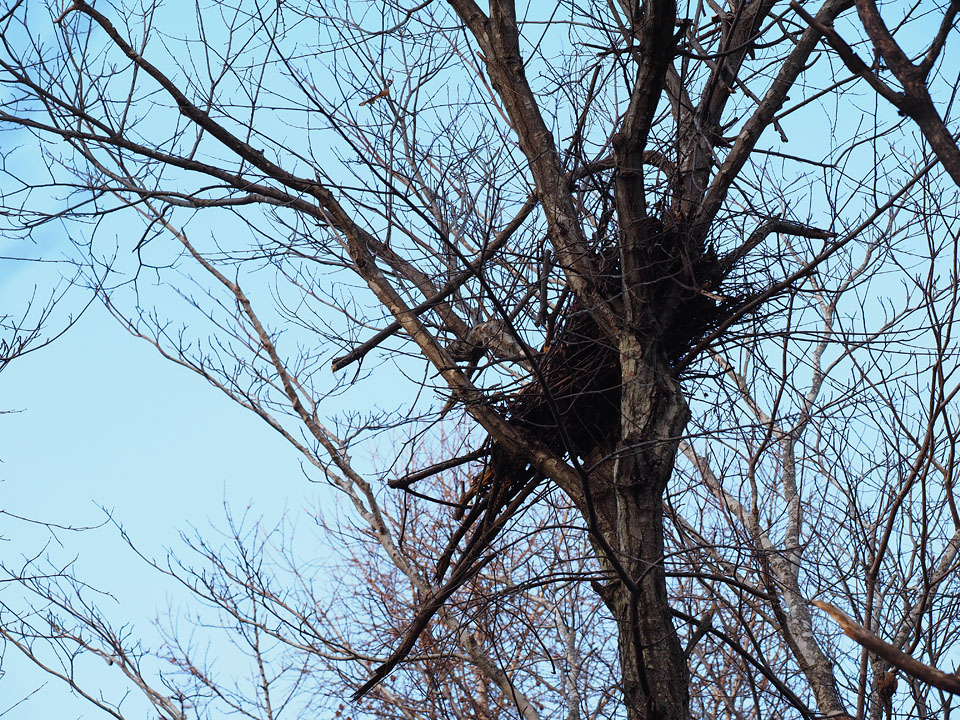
105	421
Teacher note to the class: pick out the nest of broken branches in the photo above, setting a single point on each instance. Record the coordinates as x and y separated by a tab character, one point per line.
574	404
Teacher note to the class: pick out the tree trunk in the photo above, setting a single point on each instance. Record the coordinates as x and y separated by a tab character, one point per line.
653	415
654	670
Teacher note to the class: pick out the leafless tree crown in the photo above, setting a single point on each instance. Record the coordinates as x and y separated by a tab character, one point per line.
624	330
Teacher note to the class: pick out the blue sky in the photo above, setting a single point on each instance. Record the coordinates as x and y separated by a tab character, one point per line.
104	422
99	422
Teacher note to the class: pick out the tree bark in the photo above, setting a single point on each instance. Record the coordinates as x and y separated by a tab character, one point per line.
653	668
653	415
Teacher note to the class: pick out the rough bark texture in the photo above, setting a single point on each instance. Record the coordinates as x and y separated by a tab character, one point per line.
653	415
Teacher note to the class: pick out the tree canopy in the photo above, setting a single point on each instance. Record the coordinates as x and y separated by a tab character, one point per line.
623	329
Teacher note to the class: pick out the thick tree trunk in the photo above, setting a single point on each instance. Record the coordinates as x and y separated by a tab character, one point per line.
654	671
653	415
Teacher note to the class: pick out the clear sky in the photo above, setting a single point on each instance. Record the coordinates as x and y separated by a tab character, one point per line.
99	422
103	420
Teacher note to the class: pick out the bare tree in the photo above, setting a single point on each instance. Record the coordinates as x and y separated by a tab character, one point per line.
685	288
